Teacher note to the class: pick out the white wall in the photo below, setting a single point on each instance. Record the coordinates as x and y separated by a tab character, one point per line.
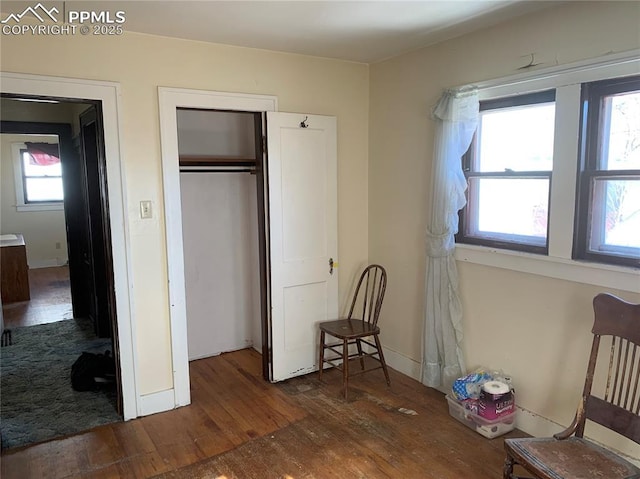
221	267
44	232
142	63
536	328
220	235
216	133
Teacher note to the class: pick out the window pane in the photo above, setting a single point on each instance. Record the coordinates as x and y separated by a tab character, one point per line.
512	207
517	138
43	189
616	215
39	170
620	148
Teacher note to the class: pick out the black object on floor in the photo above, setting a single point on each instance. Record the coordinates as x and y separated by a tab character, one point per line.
38	402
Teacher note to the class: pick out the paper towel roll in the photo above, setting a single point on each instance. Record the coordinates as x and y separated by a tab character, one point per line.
495	387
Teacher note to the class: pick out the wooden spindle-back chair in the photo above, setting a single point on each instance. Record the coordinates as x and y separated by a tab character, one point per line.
361	322
568	455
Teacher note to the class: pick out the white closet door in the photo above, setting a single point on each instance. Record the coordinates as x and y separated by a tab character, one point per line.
303	227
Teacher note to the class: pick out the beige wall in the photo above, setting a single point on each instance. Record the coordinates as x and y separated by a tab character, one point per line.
44	232
141	63
536	328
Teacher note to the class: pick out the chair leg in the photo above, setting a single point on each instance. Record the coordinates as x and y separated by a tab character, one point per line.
345	367
359	344
321	363
384	364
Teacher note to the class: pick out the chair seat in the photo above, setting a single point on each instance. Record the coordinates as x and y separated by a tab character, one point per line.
572	458
348	328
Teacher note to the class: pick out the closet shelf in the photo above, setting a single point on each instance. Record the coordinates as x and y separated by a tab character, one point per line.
204	160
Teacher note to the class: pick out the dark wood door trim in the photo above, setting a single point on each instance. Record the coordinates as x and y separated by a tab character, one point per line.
98	219
100	232
261	189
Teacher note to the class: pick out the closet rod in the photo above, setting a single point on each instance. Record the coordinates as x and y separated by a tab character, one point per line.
218	169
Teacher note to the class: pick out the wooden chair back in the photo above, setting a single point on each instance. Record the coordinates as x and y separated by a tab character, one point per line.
616	323
367	299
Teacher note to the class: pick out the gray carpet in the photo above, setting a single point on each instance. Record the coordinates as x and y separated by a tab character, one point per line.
37	402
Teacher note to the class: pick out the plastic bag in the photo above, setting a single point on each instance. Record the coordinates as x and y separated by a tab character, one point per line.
469	386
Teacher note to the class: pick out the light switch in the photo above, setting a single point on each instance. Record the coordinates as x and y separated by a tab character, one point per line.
145	209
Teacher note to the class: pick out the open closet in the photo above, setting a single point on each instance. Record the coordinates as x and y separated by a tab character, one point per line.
235	282
219	153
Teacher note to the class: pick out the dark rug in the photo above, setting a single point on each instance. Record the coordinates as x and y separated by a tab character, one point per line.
37	402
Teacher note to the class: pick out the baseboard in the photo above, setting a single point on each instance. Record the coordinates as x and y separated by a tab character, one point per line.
401	363
156	402
527	421
203	356
44	263
225	349
536	425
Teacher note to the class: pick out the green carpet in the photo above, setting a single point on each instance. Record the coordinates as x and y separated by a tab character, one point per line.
37	402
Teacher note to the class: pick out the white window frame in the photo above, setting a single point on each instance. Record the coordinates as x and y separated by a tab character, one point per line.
469	231
21	205
558	263
593	209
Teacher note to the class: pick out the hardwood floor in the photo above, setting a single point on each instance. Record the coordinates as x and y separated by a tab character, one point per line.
239	426
50	299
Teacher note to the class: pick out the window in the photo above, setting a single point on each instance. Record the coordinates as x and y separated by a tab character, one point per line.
508	169
38	174
42	182
608	219
589	240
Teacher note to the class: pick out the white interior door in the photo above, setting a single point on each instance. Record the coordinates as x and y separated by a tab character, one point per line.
303	226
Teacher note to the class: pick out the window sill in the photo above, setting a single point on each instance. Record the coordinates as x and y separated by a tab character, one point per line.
40	207
608	276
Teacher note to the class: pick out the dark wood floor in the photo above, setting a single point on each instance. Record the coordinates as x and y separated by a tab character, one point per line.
50	299
239	426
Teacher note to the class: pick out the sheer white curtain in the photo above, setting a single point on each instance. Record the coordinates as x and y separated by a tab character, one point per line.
456	117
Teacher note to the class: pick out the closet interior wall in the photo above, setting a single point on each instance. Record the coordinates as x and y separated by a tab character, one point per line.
220	231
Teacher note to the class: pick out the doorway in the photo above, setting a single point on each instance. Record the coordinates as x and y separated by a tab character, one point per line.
56	205
170	101
219	158
300	245
108	93
35	277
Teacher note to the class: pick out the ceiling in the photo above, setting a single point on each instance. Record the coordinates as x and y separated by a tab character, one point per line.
361	31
